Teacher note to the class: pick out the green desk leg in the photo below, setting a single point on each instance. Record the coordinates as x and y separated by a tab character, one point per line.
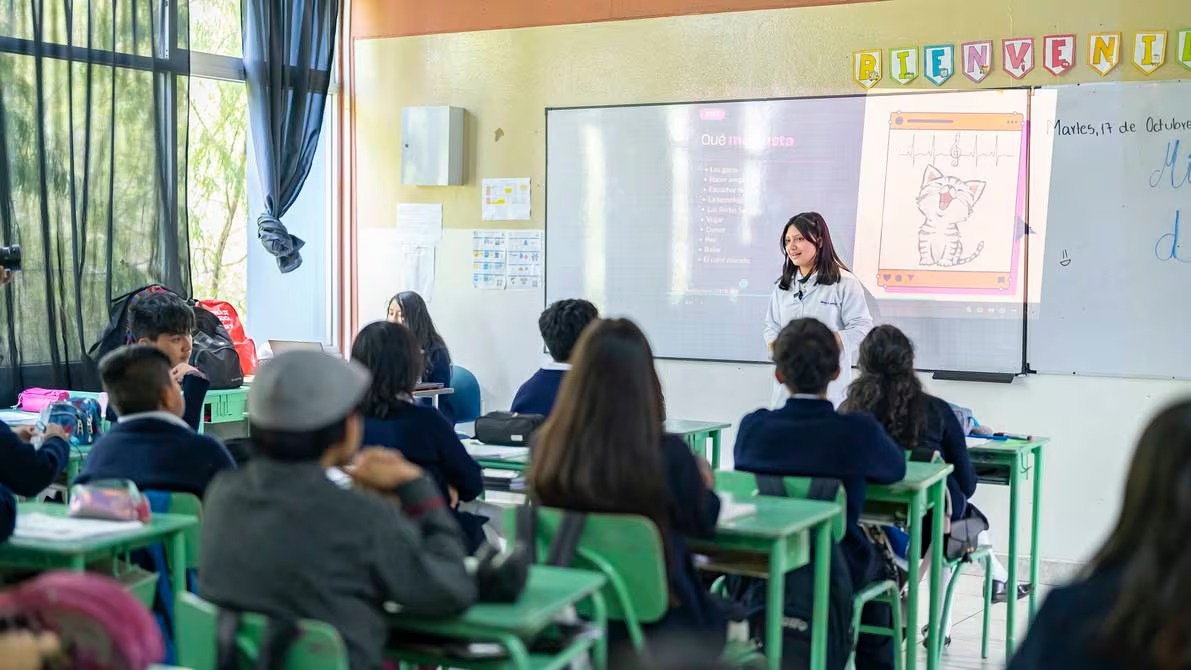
822	585
78	563
775	600
600	617
912	560
518	654
178	573
1034	531
934	637
715	449
1011	602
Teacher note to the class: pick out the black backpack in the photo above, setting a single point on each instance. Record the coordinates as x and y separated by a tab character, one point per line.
214	353
751	592
116	333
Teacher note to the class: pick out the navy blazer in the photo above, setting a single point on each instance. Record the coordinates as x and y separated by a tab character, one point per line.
808	438
538	393
157	455
1066	633
8	513
945	436
26	470
438	371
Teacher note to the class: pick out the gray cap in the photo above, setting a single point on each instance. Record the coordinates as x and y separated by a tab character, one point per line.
305	390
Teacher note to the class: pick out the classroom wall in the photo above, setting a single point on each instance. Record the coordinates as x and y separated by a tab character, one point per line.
505	79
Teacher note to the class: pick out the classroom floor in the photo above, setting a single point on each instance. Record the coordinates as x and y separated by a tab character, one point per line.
967	616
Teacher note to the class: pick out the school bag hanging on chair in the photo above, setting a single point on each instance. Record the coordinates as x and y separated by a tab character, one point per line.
116	334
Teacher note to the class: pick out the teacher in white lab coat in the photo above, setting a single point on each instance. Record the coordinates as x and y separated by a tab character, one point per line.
816	283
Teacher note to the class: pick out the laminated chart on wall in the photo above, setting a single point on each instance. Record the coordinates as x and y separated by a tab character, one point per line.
507	259
488	259
506	199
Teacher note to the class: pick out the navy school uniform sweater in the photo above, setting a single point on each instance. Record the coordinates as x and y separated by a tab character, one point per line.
438	371
1066	633
945	436
808	438
25	470
158	452
194	394
425	438
538	393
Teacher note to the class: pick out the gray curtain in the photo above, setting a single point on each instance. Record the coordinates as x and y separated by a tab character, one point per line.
93	131
288	51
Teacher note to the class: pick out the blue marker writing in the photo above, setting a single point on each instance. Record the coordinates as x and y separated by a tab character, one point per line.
1174	250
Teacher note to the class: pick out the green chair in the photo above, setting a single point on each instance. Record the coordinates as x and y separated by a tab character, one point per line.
984	555
744	485
317	647
190	505
627	549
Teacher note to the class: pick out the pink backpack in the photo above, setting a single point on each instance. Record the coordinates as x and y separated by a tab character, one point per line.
35	399
100	624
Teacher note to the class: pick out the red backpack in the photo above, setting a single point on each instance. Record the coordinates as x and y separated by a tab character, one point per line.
245	347
100	624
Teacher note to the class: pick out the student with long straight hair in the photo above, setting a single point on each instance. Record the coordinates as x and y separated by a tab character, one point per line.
409	309
603	449
393	420
1132	607
815	283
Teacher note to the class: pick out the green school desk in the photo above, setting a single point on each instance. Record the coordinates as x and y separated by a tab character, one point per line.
549	592
780	530
76	554
1000	462
923	488
697	433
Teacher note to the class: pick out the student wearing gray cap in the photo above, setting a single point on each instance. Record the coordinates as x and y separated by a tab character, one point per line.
280	537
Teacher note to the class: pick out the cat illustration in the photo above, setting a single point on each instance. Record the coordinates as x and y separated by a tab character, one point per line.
946	202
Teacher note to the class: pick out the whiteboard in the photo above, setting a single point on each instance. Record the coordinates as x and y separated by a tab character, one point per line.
671	215
1116	271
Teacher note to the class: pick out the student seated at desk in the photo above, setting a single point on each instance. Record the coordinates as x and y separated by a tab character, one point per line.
603	449
163	319
409	309
1129	609
421	434
280	537
26	470
151	445
807	438
924	425
561	324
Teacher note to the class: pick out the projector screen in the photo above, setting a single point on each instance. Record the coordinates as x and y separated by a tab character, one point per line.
671	215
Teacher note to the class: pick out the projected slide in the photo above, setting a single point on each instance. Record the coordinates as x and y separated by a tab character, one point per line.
671	214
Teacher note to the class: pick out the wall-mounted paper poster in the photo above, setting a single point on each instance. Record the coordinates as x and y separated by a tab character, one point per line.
938	63
866	67
1183	55
1058	54
1149	51
977	59
488	259
1017	56
903	65
942	197
1104	52
506	199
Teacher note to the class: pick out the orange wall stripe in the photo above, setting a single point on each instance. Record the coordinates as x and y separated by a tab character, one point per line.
402	18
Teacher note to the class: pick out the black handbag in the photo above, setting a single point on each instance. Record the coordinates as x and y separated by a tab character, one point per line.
507	428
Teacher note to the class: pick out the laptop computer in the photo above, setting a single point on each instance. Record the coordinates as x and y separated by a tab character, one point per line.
282	346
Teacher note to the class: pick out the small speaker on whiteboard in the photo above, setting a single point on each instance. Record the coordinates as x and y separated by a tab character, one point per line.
432	146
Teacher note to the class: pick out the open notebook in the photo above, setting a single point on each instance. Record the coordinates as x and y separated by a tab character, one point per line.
38	526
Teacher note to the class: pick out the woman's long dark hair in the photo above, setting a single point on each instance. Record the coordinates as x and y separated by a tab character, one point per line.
828	264
887	387
1150	626
390	353
416	316
600	450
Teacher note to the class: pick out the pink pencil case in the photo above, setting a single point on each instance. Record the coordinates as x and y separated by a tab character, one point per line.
36	399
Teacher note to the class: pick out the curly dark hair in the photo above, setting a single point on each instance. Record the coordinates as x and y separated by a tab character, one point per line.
807	356
561	324
391	354
887	387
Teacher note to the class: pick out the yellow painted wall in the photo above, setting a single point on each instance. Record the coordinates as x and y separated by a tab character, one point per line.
506	78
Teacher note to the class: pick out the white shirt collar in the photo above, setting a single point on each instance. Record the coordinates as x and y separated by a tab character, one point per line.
805	396
159	415
556	365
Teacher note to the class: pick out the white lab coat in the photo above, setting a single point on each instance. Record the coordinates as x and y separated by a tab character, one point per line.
841	306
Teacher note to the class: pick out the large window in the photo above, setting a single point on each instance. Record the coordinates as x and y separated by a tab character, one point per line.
217	152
